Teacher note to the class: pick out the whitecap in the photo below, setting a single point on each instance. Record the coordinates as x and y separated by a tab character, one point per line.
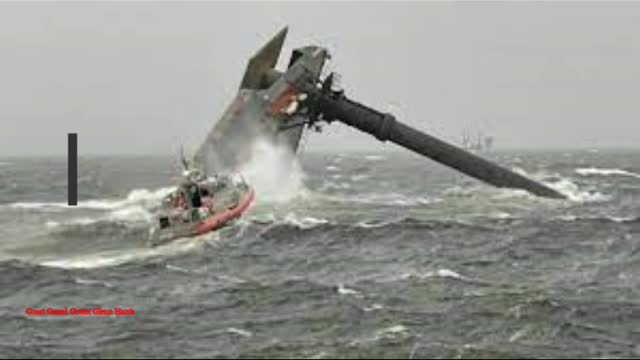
114	258
306	222
396	329
573	192
442	273
132	214
177	268
137	196
52	224
390	199
330	185
342	290
240	332
360	177
374	157
369	224
606	172
390	332
373	307
77	221
92	282
500	215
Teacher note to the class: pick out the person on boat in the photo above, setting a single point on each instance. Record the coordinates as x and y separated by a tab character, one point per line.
179	201
195	195
207	198
189	194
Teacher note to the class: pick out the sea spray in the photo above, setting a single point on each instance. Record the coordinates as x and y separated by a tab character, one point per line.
274	173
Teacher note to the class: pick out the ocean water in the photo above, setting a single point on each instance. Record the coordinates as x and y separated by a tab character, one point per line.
354	255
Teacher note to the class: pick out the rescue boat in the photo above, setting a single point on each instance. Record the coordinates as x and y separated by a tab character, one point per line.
200	207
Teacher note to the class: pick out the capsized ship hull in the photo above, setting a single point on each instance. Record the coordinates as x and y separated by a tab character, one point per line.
278	106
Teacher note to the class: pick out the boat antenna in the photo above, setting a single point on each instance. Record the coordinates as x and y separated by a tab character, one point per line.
185	163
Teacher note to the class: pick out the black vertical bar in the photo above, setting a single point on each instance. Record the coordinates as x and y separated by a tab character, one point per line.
72	166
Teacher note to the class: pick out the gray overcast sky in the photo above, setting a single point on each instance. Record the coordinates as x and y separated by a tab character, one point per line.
146	77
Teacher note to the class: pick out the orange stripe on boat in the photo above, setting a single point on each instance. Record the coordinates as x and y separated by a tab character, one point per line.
216	221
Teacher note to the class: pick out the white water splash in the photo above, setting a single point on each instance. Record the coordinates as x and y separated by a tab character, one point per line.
567	187
563	185
574	193
134	213
274	172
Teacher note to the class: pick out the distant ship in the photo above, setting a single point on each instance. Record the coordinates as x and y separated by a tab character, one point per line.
478	143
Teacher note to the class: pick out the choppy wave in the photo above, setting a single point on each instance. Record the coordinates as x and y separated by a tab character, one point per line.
134	213
77	221
368	224
391	332
387	199
119	257
330	185
342	290
295	224
137	196
604	218
91	282
574	193
565	186
387	333
240	332
131	213
498	256
441	273
305	222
